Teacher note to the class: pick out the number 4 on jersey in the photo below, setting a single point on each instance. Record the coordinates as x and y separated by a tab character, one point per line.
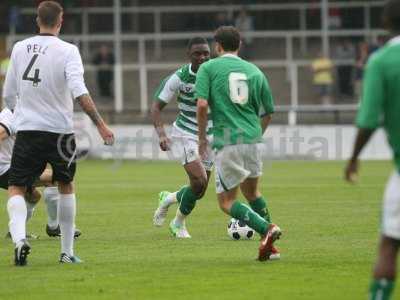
35	79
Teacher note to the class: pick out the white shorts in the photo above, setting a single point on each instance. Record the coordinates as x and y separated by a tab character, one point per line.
391	208
235	163
185	146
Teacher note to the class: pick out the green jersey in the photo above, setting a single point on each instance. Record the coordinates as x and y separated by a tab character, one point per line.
238	95
181	85
380	104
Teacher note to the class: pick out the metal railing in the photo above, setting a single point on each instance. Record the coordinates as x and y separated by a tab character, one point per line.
143	66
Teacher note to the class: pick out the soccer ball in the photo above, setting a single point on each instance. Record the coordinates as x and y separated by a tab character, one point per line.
239	230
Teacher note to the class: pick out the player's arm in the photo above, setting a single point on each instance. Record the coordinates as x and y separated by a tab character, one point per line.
267	104
369	114
88	106
265	120
4	133
7	122
76	83
202	121
164	94
202	96
10	87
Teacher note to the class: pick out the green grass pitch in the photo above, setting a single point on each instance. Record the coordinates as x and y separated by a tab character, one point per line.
328	247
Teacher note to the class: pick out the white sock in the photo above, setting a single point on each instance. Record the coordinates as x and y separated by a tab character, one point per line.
30	209
170	199
51	197
17	212
66	218
179	219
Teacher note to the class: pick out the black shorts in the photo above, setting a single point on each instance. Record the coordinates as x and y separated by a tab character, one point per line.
4	180
34	149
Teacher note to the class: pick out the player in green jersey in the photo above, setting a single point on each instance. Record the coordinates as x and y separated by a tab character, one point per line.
241	104
183	138
380	106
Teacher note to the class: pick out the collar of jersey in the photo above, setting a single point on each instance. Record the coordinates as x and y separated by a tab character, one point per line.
190	70
46	34
230	55
394	41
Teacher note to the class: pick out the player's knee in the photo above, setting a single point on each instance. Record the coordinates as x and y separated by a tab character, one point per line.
225	205
33	196
65	187
251	195
199	186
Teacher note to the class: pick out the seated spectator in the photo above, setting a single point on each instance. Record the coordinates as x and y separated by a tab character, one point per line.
322	69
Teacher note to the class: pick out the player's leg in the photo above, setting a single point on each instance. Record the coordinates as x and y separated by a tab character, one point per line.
66	217
236	209
258	203
32	198
232	167
385	269
61	157
51	197
188	195
27	163
185	147
17	212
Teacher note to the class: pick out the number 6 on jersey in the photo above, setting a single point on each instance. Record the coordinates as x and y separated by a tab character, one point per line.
238	88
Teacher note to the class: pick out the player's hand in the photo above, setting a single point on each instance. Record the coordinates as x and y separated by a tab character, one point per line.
203	146
351	171
165	143
106	134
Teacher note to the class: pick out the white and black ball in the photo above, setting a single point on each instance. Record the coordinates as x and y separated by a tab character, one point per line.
238	230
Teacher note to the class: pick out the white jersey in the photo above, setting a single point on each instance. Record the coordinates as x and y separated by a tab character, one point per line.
7	121
45	75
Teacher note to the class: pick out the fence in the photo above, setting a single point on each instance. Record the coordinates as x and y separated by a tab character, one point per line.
141	45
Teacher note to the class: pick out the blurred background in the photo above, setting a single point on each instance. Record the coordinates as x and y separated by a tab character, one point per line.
313	52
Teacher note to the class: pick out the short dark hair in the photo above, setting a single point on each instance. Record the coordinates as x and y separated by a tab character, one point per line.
391	15
228	37
196	41
48	13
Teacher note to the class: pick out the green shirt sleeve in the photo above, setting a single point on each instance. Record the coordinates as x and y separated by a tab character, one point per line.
266	100
370	111
202	86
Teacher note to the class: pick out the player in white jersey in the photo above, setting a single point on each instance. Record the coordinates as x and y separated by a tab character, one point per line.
44	77
183	138
32	196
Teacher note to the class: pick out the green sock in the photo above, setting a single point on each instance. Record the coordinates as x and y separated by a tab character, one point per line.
260	206
250	217
187	200
381	289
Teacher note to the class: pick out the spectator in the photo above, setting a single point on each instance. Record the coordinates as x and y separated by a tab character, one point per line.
322	69
362	56
104	60
244	23
222	19
345	51
334	18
